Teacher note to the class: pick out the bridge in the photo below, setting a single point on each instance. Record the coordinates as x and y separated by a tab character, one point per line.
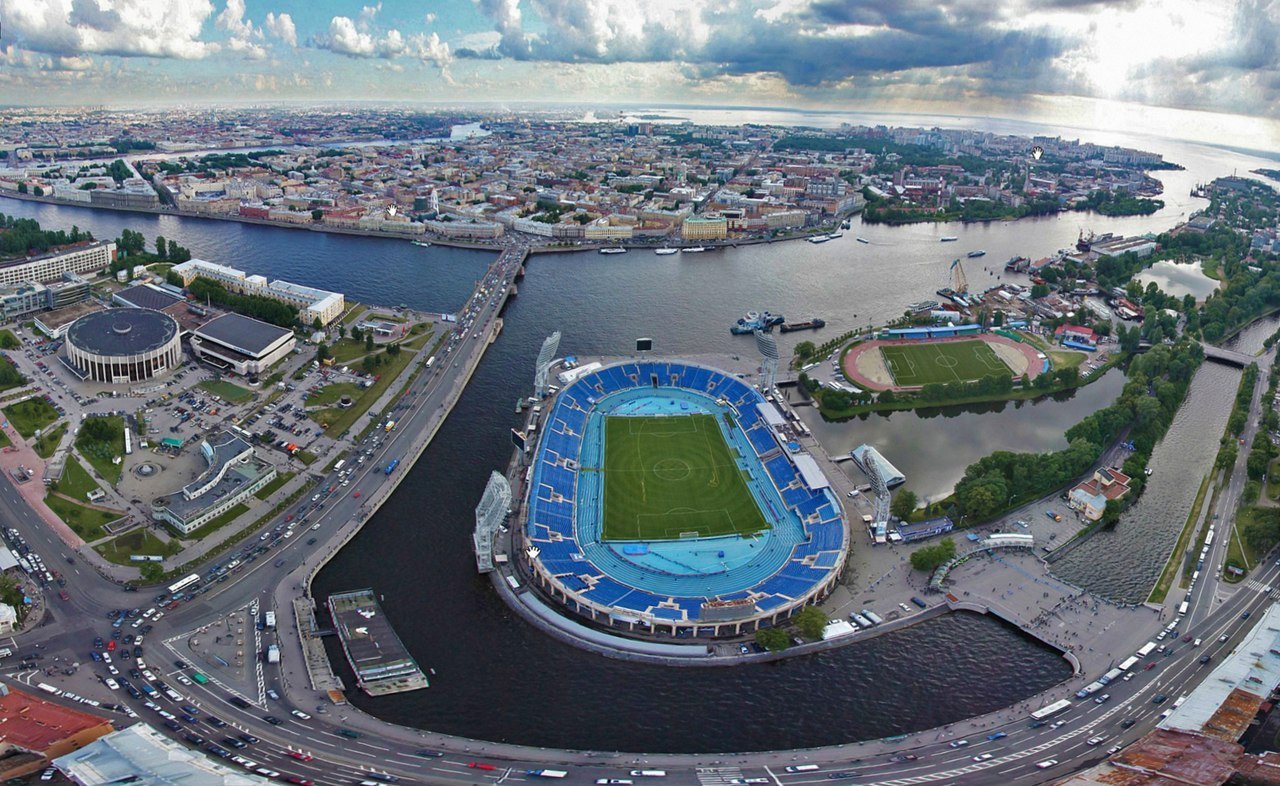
1227	357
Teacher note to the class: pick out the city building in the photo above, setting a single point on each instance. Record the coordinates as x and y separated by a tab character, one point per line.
705	228
240	344
123	345
142	756
86	257
29	297
233	475
8	619
34	731
312	303
1091	496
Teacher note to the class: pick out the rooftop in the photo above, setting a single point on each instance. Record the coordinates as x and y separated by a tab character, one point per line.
246	335
147	296
141	756
34	724
122	331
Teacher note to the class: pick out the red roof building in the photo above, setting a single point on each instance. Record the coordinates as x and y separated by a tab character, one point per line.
33	731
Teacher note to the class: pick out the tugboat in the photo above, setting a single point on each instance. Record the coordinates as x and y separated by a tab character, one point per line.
754	321
861	239
422	243
810	324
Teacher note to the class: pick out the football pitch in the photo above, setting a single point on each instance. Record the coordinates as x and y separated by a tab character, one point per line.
672	477
950	361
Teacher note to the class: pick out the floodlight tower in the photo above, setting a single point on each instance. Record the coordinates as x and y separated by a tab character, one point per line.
490	514
548	353
768	347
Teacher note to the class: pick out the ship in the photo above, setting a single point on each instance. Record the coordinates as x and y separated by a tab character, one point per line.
1085	242
809	324
954	296
922	306
862	240
1017	264
754	321
948	239
976	254
614	250
422	243
662	252
819	238
694	249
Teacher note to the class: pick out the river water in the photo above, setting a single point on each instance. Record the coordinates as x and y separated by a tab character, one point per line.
497	678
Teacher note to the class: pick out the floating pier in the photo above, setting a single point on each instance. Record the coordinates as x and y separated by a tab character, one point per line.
377	656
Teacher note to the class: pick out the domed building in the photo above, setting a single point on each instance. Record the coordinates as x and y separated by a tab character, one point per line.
124	345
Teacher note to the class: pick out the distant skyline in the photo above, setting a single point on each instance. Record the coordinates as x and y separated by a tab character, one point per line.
957	56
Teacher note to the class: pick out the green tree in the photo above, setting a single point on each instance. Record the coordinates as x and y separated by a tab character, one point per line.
928	559
322	352
316	324
368	342
317	214
162	250
773	639
38	191
805	349
22	188
342	331
904	502
151	572
811	621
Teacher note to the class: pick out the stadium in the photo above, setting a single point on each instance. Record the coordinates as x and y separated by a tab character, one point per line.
664	499
911	358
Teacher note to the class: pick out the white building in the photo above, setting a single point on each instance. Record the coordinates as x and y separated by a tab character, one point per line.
312	303
89	257
241	344
8	619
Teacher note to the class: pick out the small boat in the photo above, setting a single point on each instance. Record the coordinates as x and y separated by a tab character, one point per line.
662	252
808	324
422	243
948	239
835	236
694	249
1017	264
819	238
613	250
922	306
847	224
861	239
976	254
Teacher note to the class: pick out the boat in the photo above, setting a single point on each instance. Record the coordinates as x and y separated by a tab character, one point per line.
948	239
819	238
613	250
423	243
922	306
976	254
662	252
694	249
754	321
1017	264
808	324
835	236
862	239
955	297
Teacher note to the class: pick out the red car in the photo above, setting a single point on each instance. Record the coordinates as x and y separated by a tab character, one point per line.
479	765
63	594
300	756
356	495
111	646
1150	666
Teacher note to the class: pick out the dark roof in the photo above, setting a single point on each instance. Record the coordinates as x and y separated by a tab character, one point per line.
243	333
144	296
122	331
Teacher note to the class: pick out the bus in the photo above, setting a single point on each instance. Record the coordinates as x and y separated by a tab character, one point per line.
1208	538
182	584
337	467
1147	649
430	360
1051	710
392	466
1128	663
1183	608
199	678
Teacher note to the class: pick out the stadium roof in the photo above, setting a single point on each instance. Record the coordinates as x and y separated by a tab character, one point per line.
147	296
810	472
249	336
141	756
770	413
122	331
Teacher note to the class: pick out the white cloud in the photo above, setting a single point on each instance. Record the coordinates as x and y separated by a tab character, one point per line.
243	33
281	26
131	28
353	39
430	18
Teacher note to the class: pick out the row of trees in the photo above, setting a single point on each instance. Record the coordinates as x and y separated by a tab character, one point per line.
930	558
22	236
256	306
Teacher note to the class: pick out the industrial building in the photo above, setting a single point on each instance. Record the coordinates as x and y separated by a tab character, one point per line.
240	344
312	303
86	257
234	473
123	345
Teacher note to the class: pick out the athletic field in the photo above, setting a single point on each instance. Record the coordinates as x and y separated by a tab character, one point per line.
948	361
672	477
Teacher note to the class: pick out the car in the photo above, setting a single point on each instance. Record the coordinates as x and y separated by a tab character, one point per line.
613	781
838	774
216	722
479	765
750	780
984	756
97	658
1149	666
173	724
48	774
1057	724
1103	699
249	738
1188	637
112	684
235	743
356	494
1095	740
189	718
111	646
1035	724
273	720
294	779
1204	659
1046	764
194	739
63	594
958	743
271	694
1223	637
348	733
1127	722
429	754
300	714
998	735
1244	616
300	756
1160	698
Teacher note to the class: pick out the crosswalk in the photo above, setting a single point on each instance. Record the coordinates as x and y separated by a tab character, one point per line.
1257	586
718	776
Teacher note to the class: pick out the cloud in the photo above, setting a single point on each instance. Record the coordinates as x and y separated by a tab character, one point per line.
244	35
281	26
129	28
354	39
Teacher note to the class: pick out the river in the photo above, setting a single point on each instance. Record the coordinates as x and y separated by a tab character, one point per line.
497	678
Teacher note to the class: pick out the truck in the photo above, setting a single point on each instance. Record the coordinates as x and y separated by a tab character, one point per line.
546	773
391	424
269	620
876	619
1053	514
273	653
392	466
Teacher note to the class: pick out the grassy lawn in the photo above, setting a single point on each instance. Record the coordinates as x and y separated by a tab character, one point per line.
29	416
340	420
667	476
87	522
346	350
76	482
1210	267
5	441
354	310
1273	479
952	361
220	387
139	541
48	441
1065	359
100	442
8	340
307	457
1238	552
330	394
274	485
217	523
380	317
417	342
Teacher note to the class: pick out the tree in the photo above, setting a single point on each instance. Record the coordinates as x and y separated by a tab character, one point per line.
356	333
162	250
151	572
368	342
38	191
929	558
22	188
316	324
322	352
811	621
904	502
317	214
805	349
773	639
342	331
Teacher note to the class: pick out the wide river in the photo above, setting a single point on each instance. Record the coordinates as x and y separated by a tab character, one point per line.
498	679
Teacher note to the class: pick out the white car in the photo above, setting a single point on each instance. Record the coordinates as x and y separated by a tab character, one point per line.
983	756
300	714
1096	740
112	684
958	743
1046	764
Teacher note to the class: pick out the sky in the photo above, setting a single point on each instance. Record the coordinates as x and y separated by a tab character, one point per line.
965	56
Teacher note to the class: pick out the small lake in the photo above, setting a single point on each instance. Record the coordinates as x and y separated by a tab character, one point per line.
1178	279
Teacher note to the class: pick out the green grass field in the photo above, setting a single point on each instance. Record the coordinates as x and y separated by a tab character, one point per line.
665	477
951	361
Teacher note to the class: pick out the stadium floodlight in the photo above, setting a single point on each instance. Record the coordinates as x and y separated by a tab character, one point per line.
547	354
768	347
490	513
